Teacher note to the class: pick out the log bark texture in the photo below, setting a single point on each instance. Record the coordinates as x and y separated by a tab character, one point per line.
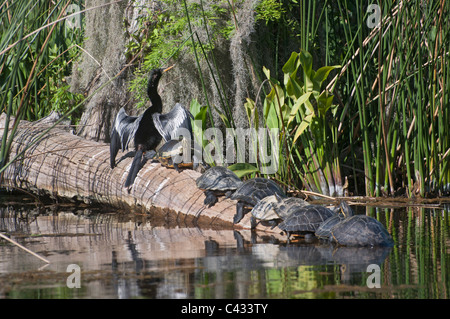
65	165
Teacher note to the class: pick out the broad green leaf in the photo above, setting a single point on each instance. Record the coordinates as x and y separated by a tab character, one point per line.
334	109
272	117
252	113
324	102
322	74
303	126
194	107
242	169
199	112
266	72
291	67
306	62
276	96
300	101
249	106
202	116
266	108
285	112
294	88
292	64
309	107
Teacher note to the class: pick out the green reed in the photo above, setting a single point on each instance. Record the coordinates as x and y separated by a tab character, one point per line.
36	50
380	121
387	117
396	82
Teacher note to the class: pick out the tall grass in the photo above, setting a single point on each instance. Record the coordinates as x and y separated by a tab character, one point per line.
399	73
35	56
380	121
385	121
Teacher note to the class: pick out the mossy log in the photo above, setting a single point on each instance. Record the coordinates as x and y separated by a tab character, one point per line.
65	165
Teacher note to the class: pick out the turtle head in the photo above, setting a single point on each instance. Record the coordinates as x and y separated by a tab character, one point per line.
344	209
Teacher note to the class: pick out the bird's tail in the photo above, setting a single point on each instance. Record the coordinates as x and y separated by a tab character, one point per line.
114	147
135	167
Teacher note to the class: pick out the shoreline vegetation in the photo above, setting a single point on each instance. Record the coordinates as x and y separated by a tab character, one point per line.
358	93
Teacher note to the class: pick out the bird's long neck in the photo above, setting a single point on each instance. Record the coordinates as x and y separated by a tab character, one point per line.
152	92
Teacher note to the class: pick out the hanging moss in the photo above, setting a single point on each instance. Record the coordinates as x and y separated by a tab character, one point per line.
237	35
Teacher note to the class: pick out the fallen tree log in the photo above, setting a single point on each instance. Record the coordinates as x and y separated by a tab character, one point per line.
64	165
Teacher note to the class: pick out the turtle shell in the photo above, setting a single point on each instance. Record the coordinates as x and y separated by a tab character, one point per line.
253	190
324	230
306	219
218	178
171	153
171	148
264	209
286	206
264	212
342	211
361	230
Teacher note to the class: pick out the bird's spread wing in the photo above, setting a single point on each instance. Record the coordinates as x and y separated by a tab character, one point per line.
168	124
122	133
126	127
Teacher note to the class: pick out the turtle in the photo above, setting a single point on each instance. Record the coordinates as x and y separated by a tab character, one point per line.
273	209
304	219
342	211
251	192
217	180
264	212
171	155
360	230
285	206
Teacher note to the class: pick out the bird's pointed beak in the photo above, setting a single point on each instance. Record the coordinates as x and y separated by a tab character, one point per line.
165	70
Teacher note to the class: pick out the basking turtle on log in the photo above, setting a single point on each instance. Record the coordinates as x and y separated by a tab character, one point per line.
147	129
250	192
347	229
304	219
218	180
172	154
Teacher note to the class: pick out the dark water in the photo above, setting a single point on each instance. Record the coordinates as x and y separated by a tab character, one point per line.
134	256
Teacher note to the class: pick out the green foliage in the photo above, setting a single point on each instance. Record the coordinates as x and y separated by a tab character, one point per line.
161	34
36	52
244	169
44	60
299	109
270	10
396	84
62	101
199	113
390	130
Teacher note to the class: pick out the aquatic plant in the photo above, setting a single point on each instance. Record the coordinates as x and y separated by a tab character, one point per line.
390	129
380	122
309	125
397	80
35	60
35	56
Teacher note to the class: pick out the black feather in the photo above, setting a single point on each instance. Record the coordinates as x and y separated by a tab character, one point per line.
147	129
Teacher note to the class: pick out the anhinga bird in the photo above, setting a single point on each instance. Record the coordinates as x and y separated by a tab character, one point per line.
147	129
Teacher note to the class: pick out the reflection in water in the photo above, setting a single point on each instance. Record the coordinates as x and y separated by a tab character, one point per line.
134	256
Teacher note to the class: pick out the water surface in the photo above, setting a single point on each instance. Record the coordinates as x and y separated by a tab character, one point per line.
125	255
